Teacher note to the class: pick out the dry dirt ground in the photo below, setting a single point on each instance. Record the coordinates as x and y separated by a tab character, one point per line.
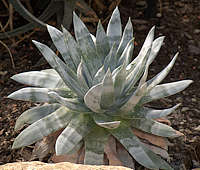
179	21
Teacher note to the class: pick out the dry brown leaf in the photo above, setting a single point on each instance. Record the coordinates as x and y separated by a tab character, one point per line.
156	140
110	150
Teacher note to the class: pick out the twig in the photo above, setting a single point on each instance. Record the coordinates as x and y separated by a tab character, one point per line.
11	16
5	4
11	57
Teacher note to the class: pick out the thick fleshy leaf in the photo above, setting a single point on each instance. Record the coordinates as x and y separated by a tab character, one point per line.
82	77
127	53
106	121
98	78
165	90
145	112
86	45
154	127
67	74
47	53
156	45
136	73
143	52
92	98
69	77
71	103
133	99
119	81
38	78
43	127
126	37
72	46
95	142
102	43
32	115
110	60
32	94
159	77
147	44
137	149
114	29
58	40
76	130
107	95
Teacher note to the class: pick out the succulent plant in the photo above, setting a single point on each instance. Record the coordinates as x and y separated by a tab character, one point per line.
95	91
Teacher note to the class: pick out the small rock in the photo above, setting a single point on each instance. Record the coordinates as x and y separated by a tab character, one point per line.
194	100
196	31
193	49
184	109
197	128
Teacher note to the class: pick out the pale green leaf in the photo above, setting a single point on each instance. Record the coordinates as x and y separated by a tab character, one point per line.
95	142
86	45
69	77
159	77
105	121
58	40
43	127
72	46
127	53
114	29
102	43
138	151
154	127
38	78
71	103
119	81
126	37
156	45
32	94
32	115
82	77
75	131
107	95
98	78
93	97
165	90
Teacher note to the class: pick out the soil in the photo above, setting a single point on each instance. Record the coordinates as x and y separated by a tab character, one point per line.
179	21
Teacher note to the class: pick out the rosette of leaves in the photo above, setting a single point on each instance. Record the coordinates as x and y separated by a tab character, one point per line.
96	91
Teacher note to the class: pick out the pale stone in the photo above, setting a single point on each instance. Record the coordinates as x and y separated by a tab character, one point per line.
36	165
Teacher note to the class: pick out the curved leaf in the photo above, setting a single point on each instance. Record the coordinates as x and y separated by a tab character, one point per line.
95	142
73	104
126	37
93	97
98	78
58	40
105	121
32	115
32	94
154	127
107	94
43	127
76	130
38	78
159	77
137	149
165	90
